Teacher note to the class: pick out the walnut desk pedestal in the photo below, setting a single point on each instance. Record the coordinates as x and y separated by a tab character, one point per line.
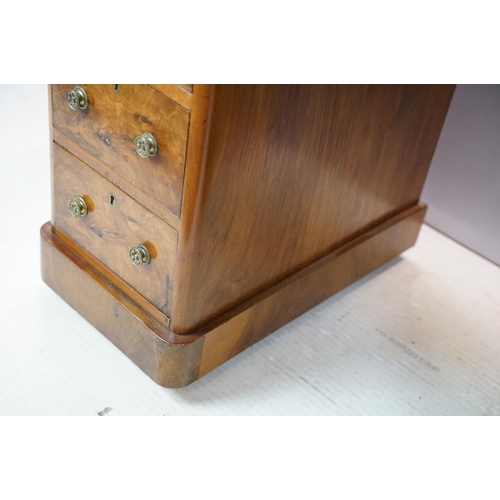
190	221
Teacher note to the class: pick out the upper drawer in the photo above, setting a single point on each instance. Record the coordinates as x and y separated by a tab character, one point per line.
113	225
112	121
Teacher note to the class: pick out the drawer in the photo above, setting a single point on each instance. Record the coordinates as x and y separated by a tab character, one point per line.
108	127
114	224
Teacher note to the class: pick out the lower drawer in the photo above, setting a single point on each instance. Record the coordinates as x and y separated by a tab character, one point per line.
116	229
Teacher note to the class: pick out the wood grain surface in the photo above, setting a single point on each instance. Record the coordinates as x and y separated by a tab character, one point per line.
112	121
170	362
181	94
188	87
176	360
257	317
108	232
278	176
131	189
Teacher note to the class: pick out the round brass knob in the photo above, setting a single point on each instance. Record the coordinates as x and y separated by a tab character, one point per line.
140	255
78	207
146	145
77	98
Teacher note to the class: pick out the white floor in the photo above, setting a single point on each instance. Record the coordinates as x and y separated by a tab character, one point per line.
419	337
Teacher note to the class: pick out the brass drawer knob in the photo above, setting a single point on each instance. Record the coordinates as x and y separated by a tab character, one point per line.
77	98
140	255
146	145
78	207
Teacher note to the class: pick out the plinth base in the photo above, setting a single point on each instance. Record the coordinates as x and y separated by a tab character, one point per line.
177	360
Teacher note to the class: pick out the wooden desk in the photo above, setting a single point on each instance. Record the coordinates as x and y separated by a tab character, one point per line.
244	206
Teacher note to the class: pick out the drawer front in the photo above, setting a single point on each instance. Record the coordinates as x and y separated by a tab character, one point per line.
114	224
109	125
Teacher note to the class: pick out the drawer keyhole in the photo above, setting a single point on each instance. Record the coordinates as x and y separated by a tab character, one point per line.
112	200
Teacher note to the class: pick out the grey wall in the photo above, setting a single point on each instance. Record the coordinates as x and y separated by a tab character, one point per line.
463	184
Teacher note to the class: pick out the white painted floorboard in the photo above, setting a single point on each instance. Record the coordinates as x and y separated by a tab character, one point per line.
421	336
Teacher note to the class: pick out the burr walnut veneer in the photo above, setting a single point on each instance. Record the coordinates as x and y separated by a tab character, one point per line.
190	221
